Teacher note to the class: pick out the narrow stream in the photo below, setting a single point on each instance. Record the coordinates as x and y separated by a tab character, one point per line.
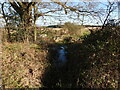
58	60
61	56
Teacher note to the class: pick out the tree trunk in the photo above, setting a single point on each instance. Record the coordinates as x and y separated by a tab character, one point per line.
35	34
9	35
35	31
27	23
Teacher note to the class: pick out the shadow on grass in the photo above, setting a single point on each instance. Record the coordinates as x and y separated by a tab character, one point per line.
67	75
90	64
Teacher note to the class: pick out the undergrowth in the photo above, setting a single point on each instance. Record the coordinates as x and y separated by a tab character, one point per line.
23	65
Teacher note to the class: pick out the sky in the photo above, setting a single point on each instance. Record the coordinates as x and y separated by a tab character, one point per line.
87	20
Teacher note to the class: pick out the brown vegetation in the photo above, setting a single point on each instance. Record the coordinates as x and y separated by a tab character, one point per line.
23	65
92	61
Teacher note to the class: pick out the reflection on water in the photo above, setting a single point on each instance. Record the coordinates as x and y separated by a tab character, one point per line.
61	56
58	55
55	73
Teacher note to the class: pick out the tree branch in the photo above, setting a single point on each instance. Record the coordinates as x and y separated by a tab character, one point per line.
71	8
16	8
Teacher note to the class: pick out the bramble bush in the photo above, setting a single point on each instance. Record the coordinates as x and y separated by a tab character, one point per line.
94	62
101	62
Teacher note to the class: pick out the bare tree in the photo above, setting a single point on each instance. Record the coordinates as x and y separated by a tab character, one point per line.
110	9
24	9
30	11
6	21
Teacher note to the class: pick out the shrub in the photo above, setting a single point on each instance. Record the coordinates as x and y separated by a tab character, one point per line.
72	28
101	59
94	62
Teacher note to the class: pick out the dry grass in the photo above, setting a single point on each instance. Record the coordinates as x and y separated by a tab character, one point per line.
93	62
23	65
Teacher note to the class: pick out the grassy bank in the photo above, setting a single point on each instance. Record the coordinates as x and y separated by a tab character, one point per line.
92	62
96	60
23	65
